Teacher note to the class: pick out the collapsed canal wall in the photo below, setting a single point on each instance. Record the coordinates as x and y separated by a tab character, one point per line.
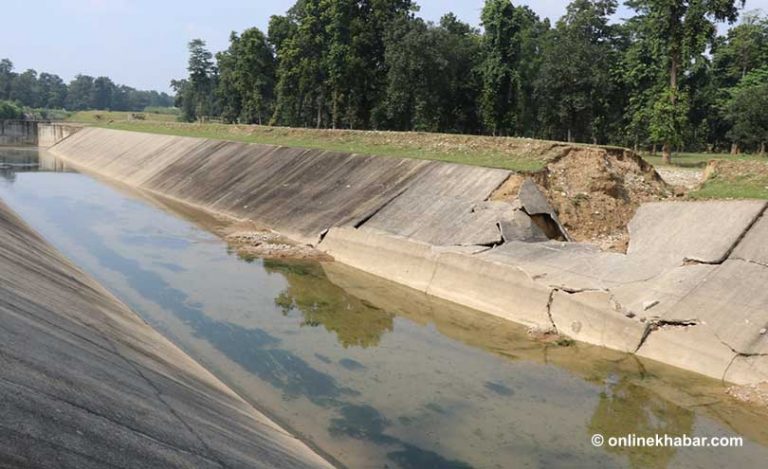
689	291
85	383
42	134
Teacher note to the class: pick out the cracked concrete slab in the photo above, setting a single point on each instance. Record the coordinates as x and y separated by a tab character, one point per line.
754	246
672	232
592	317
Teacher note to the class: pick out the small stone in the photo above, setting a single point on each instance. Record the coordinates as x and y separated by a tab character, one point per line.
763	331
649	304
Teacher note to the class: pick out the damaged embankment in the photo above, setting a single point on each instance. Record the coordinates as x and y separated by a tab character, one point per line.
85	383
488	239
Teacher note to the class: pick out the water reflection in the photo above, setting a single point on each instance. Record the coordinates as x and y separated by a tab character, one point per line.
355	322
373	373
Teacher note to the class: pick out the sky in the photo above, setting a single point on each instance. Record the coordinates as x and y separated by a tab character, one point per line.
142	43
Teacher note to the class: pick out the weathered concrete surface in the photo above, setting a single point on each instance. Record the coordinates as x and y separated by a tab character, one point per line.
303	193
674	232
84	383
51	133
18	132
689	292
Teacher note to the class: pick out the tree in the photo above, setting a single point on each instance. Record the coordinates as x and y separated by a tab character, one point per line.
24	89
575	82
679	31
53	91
6	78
9	110
501	85
101	93
246	78
746	110
202	80
79	93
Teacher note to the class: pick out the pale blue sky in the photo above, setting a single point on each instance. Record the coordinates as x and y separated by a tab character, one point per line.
142	43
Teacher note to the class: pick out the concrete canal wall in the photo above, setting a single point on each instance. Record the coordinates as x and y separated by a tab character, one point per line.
689	292
42	134
85	383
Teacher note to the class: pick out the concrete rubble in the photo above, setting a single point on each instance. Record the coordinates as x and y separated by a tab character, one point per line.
690	291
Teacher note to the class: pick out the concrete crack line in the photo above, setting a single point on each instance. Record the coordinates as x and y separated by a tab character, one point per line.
107	418
550	300
734	245
375	211
656	324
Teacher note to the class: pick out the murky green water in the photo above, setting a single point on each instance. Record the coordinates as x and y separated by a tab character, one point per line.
371	373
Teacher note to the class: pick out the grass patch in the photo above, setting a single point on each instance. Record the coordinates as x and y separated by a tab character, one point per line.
106	117
495	152
698	160
735	180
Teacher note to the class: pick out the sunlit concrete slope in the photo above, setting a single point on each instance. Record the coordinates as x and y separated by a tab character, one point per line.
690	291
84	383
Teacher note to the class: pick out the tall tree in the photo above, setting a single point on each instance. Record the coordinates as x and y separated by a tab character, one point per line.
746	111
575	82
679	31
24	89
501	88
202	79
79	93
246	78
6	78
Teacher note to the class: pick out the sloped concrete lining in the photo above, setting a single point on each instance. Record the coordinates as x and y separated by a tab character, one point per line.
689	292
674	232
754	246
84	383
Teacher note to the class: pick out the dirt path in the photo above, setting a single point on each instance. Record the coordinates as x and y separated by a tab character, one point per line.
690	178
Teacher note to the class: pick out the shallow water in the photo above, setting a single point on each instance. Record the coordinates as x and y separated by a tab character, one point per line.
370	373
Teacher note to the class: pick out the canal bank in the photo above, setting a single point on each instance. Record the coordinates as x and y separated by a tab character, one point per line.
688	292
86	383
369	371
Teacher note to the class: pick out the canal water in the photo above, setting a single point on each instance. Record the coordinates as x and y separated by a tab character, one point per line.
370	373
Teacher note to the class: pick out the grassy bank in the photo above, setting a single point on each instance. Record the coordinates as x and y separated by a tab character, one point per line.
495	152
735	179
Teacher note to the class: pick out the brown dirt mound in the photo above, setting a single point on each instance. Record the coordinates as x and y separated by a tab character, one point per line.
596	192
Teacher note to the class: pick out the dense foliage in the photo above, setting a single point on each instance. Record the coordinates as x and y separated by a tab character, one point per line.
663	77
47	91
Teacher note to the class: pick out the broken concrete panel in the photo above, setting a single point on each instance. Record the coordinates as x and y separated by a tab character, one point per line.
446	205
733	302
672	232
499	289
754	246
520	227
591	317
535	203
748	370
694	348
396	258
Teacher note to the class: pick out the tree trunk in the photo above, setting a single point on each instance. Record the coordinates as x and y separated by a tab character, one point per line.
666	154
569	135
653	150
762	149
734	149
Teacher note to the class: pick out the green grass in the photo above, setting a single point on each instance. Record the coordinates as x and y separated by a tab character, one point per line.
104	117
698	160
504	153
738	187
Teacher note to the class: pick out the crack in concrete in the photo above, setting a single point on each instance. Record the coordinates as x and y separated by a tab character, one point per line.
376	211
734	245
656	324
550	300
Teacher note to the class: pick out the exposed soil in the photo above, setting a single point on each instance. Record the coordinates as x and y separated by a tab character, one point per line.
687	178
250	240
596	192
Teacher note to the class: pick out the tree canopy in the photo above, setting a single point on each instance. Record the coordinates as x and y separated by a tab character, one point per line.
662	77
